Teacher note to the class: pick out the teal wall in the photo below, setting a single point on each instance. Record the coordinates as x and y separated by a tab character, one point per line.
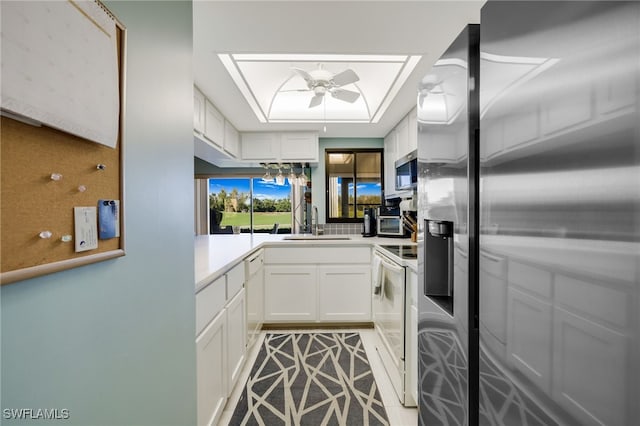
318	195
113	342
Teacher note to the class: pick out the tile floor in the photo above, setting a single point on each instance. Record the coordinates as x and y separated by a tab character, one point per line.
398	415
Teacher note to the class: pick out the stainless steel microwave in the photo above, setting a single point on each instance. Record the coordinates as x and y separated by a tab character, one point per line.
407	172
390	226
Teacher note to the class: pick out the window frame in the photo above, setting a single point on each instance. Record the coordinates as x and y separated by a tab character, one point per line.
353	151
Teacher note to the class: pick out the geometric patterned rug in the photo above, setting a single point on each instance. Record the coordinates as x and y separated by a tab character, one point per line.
301	379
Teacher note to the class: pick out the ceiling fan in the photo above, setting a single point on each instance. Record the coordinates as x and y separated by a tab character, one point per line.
321	81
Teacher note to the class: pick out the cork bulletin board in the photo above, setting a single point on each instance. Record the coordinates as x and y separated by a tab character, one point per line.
32	202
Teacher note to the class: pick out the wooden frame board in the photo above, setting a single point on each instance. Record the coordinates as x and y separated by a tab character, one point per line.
32	202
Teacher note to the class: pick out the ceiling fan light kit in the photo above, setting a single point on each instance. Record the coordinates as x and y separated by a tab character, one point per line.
320	81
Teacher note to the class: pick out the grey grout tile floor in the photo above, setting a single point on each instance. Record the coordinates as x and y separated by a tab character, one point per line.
397	414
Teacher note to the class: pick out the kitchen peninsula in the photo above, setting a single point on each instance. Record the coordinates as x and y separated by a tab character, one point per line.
245	280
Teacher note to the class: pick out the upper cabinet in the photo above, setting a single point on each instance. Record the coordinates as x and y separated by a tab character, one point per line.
299	146
280	146
402	138
216	140
413	129
198	110
213	124
219	142
231	140
389	163
400	141
407	134
260	146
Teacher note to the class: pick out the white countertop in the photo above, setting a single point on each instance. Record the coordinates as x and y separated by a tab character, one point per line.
216	254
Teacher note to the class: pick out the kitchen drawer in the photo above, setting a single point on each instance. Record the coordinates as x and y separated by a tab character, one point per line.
317	255
254	262
235	280
209	302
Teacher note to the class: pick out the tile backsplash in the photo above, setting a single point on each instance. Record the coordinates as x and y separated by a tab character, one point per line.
342	228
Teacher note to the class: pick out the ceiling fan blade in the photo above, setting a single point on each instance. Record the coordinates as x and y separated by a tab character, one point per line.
294	90
345	77
345	95
302	73
316	100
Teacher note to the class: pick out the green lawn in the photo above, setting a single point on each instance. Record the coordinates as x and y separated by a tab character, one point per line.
261	220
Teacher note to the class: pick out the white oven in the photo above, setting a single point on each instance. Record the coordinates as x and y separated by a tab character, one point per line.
389	318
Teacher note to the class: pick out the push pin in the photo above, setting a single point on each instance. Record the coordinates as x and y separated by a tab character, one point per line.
101	166
82	188
66	238
56	176
45	234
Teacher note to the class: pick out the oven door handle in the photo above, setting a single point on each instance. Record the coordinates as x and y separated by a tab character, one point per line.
391	266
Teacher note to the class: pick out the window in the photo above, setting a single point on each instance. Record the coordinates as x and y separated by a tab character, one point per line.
251	204
353	182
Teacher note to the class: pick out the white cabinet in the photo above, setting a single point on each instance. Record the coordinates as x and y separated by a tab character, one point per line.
389	164
209	302
316	284
299	146
411	339
344	293
236	337
231	140
254	292
198	110
213	124
280	146
413	129
402	138
211	367
290	293
221	345
235	280
262	146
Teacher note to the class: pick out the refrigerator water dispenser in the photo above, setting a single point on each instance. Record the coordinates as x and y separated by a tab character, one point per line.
438	263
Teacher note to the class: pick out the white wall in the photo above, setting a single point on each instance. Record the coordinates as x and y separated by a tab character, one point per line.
318	184
114	342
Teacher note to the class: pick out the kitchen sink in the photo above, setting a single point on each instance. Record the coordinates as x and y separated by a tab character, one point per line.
302	237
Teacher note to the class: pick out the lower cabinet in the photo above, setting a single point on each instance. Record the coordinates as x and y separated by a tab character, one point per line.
344	293
290	293
317	284
411	339
236	337
254	295
221	346
211	367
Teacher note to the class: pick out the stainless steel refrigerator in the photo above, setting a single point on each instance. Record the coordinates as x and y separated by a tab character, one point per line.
529	211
